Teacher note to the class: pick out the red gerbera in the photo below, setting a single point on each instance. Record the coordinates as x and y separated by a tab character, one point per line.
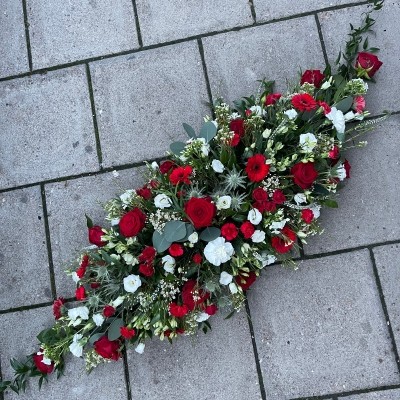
181	175
256	168
304	102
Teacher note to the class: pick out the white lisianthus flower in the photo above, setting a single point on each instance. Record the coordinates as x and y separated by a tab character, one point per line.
254	216
78	312
154	165
162	201
233	288
341	172
256	110
193	238
168	263
115	221
118	301
75	277
218	251
266	259
202	317
98	319
225	278
349	116
337	118
300	198
132	283
46	361
277	226
217	166
224	202
129	259
140	348
258	236
326	85
316	210
127	196
205	147
266	134
291	114
307	142
75	348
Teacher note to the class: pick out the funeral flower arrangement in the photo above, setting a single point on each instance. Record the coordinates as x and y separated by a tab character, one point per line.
235	197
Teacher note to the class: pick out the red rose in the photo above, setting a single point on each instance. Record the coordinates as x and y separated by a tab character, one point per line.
314	76
200	212
178	311
41	366
197	258
57	306
278	197
256	168
334	153
127	333
108	311
146	269
304	174
347	168
259	195
325	106
307	215
247	229
211	309
80	293
181	175
235	140
166	166
237	126
95	234
304	102
281	245
144	192
148	254
229	231
176	250
246	281
272	98
190	289
132	222
108	348
368	64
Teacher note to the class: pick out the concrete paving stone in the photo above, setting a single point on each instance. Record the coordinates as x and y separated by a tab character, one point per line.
13	51
367	210
236	60
142	100
65	31
335	26
388	262
270	10
384	395
23	254
47	127
321	329
18	338
166	20
67	204
219	365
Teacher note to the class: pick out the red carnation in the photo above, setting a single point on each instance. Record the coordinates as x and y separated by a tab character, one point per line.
176	250
188	292
197	258
144	192
127	333
259	195
284	246
166	166
307	215
148	254
200	212
108	311
256	168
40	365
95	234
235	140
246	281
304	102
304	174
229	231
334	153
82	267
272	98
211	309
368	63
108	348
132	222
57	306
314	76
237	126
178	311
80	293
278	197
181	175
146	269
247	229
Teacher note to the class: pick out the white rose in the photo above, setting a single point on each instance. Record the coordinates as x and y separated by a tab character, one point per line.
307	142
162	201
224	202
218	251
254	216
168	263
217	166
140	348
291	114
258	236
132	283
225	278
98	319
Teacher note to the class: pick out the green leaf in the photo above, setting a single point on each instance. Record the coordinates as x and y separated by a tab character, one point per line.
114	329
345	104
155	319
208	131
230	315
177	147
340	136
89	222
330	203
175	230
320	189
210	234
160	242
189	130
95	337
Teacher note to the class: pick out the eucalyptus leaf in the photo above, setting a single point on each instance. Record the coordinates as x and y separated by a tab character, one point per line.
189	130
160	242
177	147
208	131
174	230
340	136
345	104
210	234
189	231
114	330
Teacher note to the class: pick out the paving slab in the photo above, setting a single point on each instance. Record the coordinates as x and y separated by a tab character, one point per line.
335	27
65	31
388	262
23	253
167	20
383	395
142	100
47	127
13	51
321	329
219	365
270	10
17	338
368	202
67	204
236	60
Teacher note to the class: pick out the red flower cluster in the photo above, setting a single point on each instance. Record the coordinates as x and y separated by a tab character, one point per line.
272	98
178	311
190	289
229	231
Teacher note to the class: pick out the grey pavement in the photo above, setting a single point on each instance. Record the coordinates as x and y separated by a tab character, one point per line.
90	86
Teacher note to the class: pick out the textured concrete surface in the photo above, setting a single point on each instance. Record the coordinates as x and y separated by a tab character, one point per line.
384	395
79	29
321	329
13	58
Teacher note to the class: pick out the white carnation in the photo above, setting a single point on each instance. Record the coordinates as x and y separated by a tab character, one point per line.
202	317
98	319
162	201
217	166
218	251
75	348
168	263
258	236
225	278
277	226
132	283
337	118
300	198
307	142
75	277
78	312
254	216
140	348
233	288
224	202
